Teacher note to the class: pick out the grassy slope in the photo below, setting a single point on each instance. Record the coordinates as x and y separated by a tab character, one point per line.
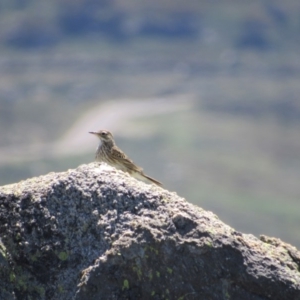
237	152
216	161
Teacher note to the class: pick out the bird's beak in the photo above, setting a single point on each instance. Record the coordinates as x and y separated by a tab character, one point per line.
92	132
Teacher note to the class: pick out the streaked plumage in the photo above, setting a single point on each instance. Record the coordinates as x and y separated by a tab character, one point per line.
109	152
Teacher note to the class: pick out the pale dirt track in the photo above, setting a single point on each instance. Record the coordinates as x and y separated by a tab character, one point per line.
112	115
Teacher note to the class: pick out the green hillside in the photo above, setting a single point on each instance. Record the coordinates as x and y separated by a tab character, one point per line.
234	149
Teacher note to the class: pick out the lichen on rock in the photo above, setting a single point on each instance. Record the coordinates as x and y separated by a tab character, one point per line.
97	233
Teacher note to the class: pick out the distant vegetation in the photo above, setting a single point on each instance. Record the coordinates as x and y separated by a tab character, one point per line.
261	25
236	151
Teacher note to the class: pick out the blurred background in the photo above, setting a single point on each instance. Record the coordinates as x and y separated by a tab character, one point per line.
204	95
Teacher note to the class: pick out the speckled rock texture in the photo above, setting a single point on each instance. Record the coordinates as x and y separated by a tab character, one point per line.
96	233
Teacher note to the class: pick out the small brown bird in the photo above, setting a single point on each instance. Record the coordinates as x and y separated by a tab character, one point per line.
108	152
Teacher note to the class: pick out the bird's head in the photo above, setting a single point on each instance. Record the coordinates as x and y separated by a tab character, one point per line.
103	135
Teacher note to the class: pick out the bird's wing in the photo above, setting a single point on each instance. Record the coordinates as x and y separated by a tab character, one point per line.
125	160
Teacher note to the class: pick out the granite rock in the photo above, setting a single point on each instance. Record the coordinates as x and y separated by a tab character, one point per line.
97	233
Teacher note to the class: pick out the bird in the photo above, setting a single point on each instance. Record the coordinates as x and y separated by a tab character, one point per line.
109	152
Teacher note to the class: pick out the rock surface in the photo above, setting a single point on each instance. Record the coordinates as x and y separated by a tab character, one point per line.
96	233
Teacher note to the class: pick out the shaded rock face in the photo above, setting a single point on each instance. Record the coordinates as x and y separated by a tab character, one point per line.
96	233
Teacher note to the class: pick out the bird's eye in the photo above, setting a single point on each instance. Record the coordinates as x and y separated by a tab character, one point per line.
103	133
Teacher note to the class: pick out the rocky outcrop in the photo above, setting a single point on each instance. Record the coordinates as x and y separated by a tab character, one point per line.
96	233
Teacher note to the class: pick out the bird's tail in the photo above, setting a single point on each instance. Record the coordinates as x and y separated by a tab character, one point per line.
145	178
152	180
